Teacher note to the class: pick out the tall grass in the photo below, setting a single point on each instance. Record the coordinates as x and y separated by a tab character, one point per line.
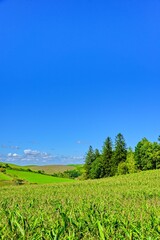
124	207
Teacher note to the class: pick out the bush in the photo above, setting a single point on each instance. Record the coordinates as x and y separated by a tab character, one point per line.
2	169
122	168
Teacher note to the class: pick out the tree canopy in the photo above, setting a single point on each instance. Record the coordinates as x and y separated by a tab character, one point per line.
117	160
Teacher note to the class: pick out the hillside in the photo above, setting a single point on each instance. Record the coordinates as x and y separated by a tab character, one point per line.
122	207
11	174
32	177
11	165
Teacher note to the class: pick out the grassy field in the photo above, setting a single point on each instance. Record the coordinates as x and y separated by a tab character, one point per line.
123	207
32	177
50	169
4	177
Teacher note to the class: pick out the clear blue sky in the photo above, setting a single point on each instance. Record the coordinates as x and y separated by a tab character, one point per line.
73	73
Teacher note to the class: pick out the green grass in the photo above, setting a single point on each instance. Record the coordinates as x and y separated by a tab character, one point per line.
32	177
119	208
4	177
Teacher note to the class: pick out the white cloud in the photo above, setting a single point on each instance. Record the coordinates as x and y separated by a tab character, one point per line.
30	156
15	155
31	152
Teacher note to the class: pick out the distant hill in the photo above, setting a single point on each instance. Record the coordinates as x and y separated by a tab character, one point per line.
51	169
12	165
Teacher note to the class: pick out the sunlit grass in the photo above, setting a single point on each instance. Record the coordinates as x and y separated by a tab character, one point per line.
32	177
4	177
123	207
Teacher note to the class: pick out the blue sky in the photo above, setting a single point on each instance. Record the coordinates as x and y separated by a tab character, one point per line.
73	73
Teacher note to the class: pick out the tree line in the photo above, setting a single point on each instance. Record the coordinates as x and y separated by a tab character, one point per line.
117	159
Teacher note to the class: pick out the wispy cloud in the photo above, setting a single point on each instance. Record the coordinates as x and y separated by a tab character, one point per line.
10	147
13	155
14	147
29	152
82	142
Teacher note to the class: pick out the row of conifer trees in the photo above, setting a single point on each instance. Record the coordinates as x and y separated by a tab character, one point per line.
120	160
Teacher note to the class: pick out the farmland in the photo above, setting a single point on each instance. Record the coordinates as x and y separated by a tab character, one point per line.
50	169
121	207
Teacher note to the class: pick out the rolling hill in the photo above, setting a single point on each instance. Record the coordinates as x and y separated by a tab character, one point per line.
32	177
11	174
51	169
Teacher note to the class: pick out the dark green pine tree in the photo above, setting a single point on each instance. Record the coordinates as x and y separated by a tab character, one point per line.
138	155
119	154
90	158
96	153
106	158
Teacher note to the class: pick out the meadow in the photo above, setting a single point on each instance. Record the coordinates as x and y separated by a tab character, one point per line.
11	174
32	177
121	207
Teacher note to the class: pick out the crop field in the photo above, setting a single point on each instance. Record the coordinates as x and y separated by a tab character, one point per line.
122	207
50	169
32	177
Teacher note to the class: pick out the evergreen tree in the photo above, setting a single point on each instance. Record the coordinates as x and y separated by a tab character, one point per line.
96	153
106	158
119	154
138	156
90	158
96	168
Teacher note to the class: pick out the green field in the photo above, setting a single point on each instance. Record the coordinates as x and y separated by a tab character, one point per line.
122	207
4	177
32	177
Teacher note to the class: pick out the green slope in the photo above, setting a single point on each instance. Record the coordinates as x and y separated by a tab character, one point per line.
13	165
32	177
4	177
